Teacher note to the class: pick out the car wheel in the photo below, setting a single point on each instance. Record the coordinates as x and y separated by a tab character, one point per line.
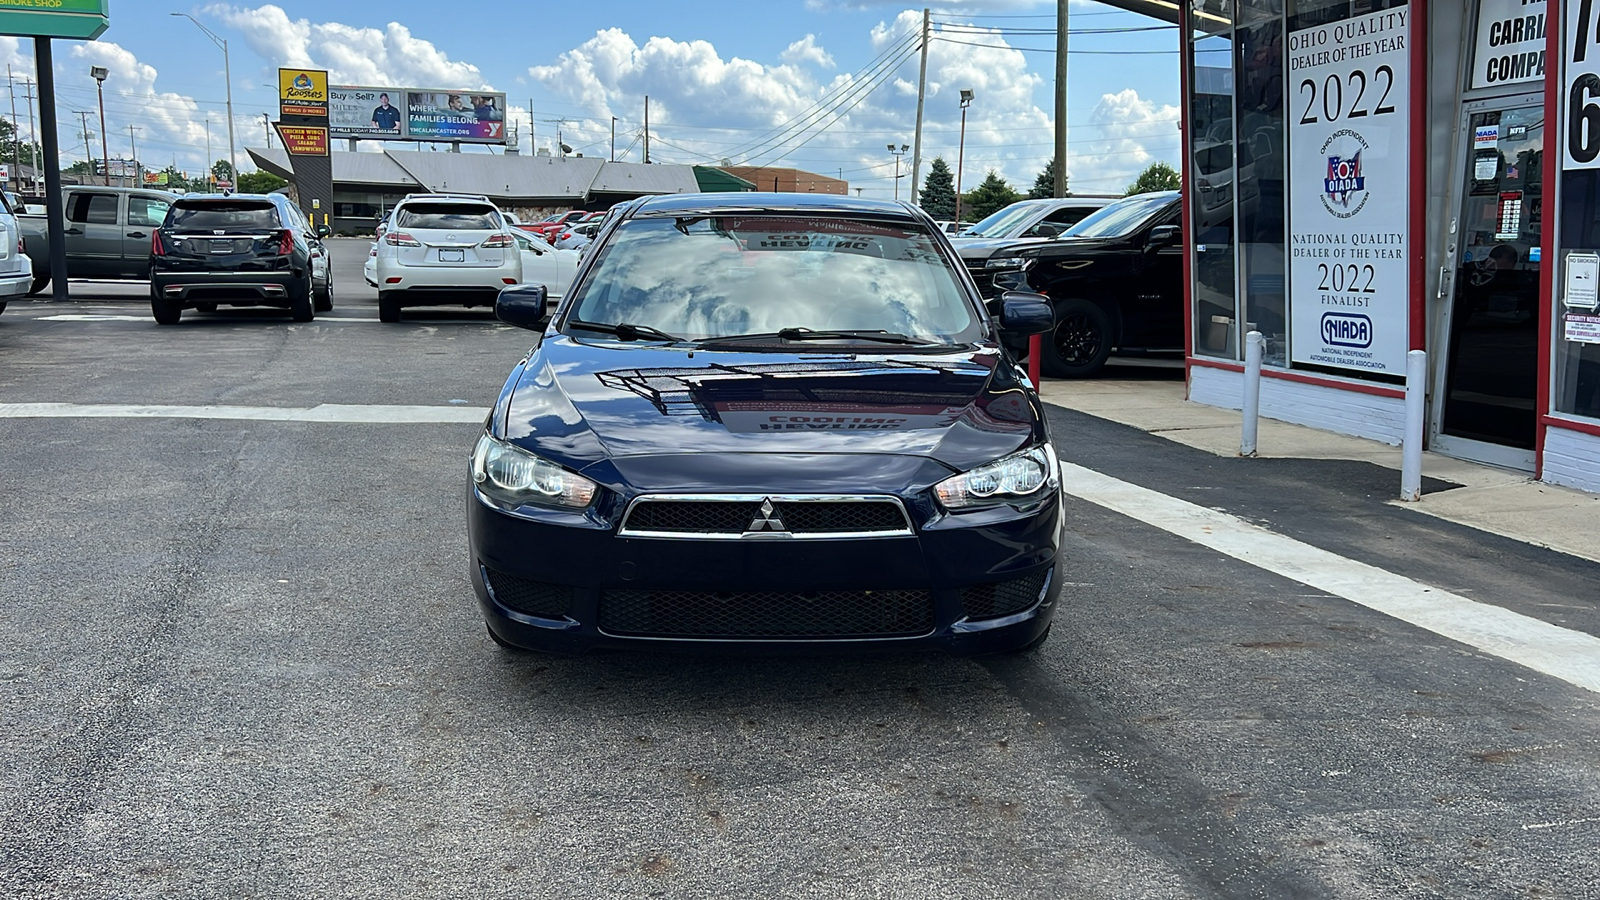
165	311
302	308
39	284
1080	343
325	297
388	307
206	307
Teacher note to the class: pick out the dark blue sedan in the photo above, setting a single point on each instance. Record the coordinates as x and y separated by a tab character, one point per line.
768	420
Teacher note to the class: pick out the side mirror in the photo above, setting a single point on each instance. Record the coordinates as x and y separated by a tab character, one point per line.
323	231
1046	230
1023	313
522	305
1161	235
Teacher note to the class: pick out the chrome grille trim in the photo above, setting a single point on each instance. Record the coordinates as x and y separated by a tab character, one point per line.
904	531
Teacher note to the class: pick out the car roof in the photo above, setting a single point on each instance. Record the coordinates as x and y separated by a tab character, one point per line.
747	202
227	198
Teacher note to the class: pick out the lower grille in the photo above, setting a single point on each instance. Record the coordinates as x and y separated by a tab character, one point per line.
771	615
991	601
534	598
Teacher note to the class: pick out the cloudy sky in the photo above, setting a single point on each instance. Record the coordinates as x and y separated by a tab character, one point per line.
823	85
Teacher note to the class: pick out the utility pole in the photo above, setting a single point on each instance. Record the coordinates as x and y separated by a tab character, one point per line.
1061	98
209	164
647	129
33	137
16	136
84	117
613	138
922	94
133	148
266	125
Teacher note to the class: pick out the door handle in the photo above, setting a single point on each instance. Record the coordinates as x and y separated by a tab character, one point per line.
73	231
137	234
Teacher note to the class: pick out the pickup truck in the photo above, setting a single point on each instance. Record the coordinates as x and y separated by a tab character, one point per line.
108	233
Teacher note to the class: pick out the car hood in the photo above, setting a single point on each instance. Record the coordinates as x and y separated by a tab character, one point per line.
983	248
1067	246
582	402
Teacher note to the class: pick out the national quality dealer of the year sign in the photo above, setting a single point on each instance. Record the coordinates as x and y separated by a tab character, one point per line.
1349	130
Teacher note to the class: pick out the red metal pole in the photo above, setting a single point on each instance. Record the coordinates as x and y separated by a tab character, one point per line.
1035	347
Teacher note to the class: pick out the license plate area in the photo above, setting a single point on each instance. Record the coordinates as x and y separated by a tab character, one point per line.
222	246
452	256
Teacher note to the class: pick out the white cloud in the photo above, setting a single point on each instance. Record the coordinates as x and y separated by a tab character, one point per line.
1134	132
351	54
806	50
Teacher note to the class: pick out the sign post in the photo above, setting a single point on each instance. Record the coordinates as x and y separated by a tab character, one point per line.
303	127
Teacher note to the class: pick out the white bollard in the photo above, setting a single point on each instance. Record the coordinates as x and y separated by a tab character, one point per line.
1411	445
1252	393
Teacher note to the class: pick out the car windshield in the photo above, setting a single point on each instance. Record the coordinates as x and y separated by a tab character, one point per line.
1120	218
222	215
700	277
463	216
1004	223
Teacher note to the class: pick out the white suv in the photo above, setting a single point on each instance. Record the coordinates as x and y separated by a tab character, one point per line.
444	249
16	270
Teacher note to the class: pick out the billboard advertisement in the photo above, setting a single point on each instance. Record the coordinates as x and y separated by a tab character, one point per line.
303	92
412	114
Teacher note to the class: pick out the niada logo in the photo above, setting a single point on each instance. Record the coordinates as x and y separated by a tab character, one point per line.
1344	187
1346	330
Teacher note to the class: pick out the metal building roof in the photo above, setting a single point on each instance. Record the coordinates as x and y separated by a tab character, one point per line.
349	168
497	175
637	178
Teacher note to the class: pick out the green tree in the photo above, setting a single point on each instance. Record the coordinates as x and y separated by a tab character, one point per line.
259	183
993	195
223	170
1158	176
1044	186
938	197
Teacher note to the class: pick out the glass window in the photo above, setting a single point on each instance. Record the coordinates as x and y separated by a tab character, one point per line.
1123	217
465	216
1069	215
93	209
223	215
1212	158
701	277
1003	223
1577	362
1260	176
144	209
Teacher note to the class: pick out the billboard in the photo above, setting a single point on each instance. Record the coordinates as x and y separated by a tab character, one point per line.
414	114
303	92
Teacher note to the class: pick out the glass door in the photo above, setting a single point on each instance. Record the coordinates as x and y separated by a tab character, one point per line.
1491	367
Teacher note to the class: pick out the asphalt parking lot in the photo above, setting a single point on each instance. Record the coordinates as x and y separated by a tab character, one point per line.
239	657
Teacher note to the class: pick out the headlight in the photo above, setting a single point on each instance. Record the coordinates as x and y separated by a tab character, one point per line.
1005	262
1019	477
513	476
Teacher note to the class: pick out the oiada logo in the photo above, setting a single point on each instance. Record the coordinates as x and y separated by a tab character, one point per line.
302	82
1346	330
1344	185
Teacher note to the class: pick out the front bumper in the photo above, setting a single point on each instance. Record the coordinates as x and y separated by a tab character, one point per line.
982	582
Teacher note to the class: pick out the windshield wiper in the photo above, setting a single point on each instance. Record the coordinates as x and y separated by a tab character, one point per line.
876	335
628	331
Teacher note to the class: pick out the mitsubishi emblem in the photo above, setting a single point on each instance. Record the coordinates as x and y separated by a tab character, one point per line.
766	520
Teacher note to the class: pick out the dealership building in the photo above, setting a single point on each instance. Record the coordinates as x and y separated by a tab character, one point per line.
1365	178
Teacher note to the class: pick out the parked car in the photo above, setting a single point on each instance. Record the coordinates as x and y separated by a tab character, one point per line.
107	230
444	249
779	420
578	236
1115	280
952	227
16	270
239	250
546	265
1033	218
552	226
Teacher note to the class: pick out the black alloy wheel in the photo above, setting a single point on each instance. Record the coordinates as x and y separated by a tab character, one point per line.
166	311
1081	342
302	308
324	297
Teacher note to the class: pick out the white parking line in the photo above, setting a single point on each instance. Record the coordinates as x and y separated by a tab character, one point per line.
1571	656
326	412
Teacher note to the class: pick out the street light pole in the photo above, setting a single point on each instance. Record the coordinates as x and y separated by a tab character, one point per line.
961	152
898	152
99	73
227	77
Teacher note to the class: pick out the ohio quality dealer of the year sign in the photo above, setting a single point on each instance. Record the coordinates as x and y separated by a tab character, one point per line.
1349	134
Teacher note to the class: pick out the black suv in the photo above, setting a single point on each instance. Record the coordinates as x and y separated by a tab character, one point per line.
1115	279
238	249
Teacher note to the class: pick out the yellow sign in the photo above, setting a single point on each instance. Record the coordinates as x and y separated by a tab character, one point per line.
303	92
